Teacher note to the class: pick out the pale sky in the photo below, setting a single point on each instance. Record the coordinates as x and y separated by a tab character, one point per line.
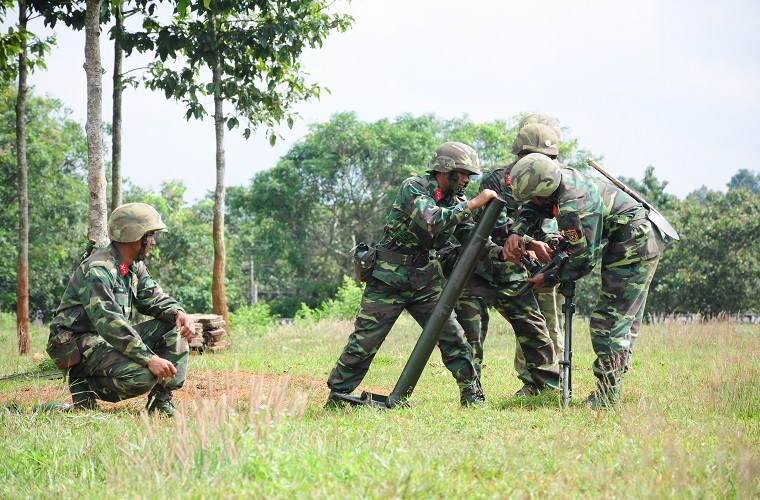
672	83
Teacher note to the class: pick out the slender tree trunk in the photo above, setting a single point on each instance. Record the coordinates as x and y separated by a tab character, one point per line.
118	90
22	276
96	217
254	291
218	293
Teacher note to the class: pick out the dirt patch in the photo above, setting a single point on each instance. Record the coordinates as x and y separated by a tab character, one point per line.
237	387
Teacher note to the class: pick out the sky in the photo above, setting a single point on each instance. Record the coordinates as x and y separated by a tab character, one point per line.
673	84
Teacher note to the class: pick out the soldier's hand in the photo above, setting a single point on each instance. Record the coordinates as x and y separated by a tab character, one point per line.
481	199
543	250
537	280
514	248
185	325
161	368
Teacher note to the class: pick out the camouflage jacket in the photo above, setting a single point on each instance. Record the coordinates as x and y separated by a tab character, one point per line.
100	297
421	220
590	211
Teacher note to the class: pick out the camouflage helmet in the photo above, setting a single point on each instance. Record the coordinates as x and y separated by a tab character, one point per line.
536	138
131	221
543	119
455	156
534	175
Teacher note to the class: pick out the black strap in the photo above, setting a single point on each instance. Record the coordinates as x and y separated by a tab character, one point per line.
419	260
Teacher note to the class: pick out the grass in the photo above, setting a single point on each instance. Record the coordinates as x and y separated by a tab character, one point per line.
251	424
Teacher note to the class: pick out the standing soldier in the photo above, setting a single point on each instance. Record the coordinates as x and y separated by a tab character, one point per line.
407	276
589	210
493	284
91	338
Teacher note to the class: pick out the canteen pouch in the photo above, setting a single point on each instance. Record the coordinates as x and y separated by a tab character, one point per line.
62	348
364	261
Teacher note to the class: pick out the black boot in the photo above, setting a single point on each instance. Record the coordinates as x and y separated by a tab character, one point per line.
81	395
472	395
160	400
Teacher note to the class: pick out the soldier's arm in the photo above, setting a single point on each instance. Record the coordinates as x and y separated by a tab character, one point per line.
151	300
582	231
107	316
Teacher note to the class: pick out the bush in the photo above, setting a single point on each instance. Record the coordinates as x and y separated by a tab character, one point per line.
251	320
345	305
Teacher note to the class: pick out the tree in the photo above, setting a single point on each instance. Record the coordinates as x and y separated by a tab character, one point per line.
746	179
19	43
56	147
715	267
251	49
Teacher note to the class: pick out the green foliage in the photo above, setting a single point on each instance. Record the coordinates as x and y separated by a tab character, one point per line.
255	44
345	305
58	198
652	190
716	266
252	320
746	179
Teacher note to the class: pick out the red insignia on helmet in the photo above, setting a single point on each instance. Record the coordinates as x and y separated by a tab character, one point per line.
123	269
555	210
438	195
572	235
508	180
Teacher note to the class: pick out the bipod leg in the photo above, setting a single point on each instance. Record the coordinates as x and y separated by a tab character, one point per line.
567	290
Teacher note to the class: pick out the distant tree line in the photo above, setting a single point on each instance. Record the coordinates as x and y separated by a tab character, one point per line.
291	229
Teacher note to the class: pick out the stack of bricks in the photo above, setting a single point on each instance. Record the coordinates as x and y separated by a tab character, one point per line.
209	333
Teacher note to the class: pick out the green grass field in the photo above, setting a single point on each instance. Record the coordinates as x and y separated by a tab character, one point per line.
689	426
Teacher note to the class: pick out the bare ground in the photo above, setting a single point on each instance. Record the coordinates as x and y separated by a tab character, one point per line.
235	386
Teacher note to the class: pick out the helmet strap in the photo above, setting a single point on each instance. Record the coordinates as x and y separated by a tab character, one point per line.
143	246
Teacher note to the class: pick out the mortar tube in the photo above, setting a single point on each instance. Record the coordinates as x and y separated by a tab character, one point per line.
442	311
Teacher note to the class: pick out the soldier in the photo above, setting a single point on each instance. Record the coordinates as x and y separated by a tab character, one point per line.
91	338
407	276
589	210
493	285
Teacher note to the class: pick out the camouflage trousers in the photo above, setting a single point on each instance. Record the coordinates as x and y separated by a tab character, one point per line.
616	319
552	312
112	376
523	314
380	308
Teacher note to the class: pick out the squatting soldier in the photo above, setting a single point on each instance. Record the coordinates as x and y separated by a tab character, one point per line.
493	281
91	338
589	210
407	276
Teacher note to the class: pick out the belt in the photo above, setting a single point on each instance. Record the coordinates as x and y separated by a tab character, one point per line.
419	260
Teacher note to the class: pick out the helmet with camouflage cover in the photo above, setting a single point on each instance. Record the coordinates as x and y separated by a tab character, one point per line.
455	156
543	119
131	221
534	175
536	138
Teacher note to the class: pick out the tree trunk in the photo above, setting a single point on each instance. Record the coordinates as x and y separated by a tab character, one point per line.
96	217
254	290
218	293
22	275
118	90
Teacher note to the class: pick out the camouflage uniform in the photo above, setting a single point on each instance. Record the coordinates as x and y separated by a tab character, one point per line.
589	211
95	311
493	285
421	220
